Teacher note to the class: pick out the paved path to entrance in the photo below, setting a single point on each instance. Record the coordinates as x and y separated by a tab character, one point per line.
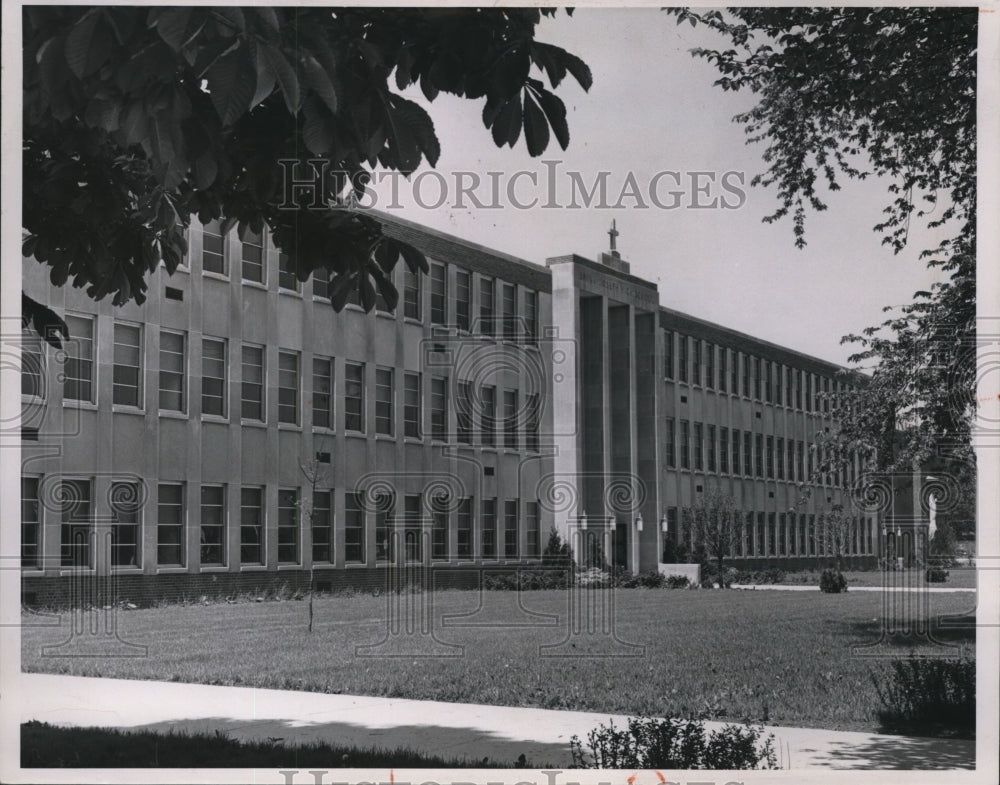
449	729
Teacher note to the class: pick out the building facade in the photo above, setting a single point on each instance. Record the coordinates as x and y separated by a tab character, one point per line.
235	432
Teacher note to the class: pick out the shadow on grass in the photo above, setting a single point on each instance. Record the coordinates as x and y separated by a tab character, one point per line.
903	753
953	635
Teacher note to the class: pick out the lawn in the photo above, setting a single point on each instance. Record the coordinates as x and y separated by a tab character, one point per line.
779	657
960	577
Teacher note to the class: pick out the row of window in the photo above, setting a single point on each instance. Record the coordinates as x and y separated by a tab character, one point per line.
502	319
485	531
477	419
730	451
702	363
788	534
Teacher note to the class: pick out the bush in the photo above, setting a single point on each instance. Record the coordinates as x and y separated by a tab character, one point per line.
928	696
673	743
936	575
651	579
769	575
557	553
677	582
832	582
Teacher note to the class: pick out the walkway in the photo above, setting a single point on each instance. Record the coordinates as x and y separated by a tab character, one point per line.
449	729
811	587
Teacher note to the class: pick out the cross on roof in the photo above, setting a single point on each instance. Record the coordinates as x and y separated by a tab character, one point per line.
613	234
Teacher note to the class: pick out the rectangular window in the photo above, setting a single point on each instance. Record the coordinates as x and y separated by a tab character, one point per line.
488	533
747	453
384	401
734	374
439	533
510	412
801	463
171	371
770	457
710	366
778	392
321	283
252	386
780	457
463	413
213	245
31	524
78	371
757	374
826	395
534	416
288	526
685	444
531	317
322	392
321	526
699	447
812	535
487	298
747	361
252	526
464	530
793	534
724	450
385	523
288	388
809	392
213	525
439	295
790	460
32	365
711	448
354	529
669	443
682	358
463	296
354	397
170	525
723	368
411	294
532	526
126	511
789	377
253	256
670	536
412	528
510	549
696	364
668	354
759	455
736	452
750	535
127	378
439	408
213	376
487	421
411	405
508	301
767	381
287	279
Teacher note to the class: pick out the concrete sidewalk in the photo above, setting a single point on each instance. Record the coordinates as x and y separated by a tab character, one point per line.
815	587
461	730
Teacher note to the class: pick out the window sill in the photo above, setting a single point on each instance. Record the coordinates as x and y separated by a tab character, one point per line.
120	408
254	285
253	567
215	418
214	276
32	400
172	415
172	570
411	320
355	565
287	426
356	434
412	440
253	424
384	315
290	292
287	567
323	430
80	405
209	568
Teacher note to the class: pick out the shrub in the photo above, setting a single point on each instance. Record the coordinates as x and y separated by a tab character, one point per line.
557	553
677	582
832	582
673	743
651	579
674	552
936	575
928	696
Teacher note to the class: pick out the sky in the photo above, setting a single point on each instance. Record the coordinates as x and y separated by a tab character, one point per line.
653	108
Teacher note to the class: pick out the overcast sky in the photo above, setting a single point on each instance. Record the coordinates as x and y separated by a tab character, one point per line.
653	107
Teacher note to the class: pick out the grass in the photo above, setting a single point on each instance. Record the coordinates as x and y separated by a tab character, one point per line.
960	577
49	746
779	657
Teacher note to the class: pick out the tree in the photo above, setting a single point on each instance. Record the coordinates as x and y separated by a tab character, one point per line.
715	525
889	92
314	472
835	531
137	118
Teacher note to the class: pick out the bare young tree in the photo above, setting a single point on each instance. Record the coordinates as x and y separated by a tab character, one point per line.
715	524
314	472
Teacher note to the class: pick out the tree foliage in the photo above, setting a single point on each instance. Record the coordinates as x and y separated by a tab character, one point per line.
136	118
887	92
715	525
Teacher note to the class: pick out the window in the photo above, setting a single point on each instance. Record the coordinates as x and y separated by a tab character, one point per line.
413	528
75	523
78	372
32	365
252	526
801	462
411	294
671	534
384	401
411	405
789	377
534	417
723	368
171	371
770	457
685	444
750	535
31	523
463	413
439	529
747	453
767	381
711	448
696	362
486	306
321	525
772	545
699	446
287	279
779	375
354	397
253	256
126	505
510	549
780	458
735	455
322	392
385	504
487	422
170	525
532	525
213	525
734	374
213	257
668	354
710	366
488	535
252	389
508	299
724	450
510	440
757	373
439	408
826	395
464	530
354	529
288	388
809	392
531	317
288	526
213	376
321	283
463	295
669	442
790	461
127	377
759	454
682	358
439	295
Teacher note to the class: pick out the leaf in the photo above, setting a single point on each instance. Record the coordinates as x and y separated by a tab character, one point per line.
265	78
414	259
231	84
507	126
274	59
205	170
555	111
317	80
367	292
341	288
88	44
421	126
171	25
536	129
317	130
